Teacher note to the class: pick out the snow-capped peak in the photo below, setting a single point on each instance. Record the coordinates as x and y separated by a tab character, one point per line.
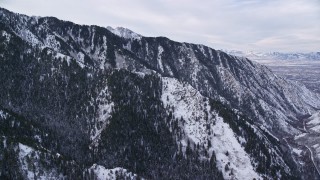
124	32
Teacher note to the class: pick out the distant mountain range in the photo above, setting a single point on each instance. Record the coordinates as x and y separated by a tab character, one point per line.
312	56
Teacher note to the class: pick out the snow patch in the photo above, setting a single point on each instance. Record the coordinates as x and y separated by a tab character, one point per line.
29	37
121	62
314	120
300	136
104	113
6	35
3	115
80	59
125	33
64	57
316	128
4	142
24	150
31	166
102	173
316	146
297	151
52	42
103	54
159	58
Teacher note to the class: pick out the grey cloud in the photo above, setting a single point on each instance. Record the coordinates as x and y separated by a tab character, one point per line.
262	25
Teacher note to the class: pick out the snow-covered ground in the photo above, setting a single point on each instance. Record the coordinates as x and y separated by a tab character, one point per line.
124	32
3	115
314	123
159	58
104	113
31	167
101	173
201	126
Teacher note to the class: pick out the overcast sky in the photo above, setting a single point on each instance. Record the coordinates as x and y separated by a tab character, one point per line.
247	25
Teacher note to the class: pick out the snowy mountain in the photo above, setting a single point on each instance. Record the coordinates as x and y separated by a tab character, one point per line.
312	56
88	102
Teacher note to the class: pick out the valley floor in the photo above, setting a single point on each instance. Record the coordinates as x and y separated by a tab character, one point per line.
306	71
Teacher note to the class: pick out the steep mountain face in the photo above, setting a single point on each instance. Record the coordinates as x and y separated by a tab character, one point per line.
92	102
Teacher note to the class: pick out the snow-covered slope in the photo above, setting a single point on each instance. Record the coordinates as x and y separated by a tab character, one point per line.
32	167
314	122
124	32
104	113
203	127
101	173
